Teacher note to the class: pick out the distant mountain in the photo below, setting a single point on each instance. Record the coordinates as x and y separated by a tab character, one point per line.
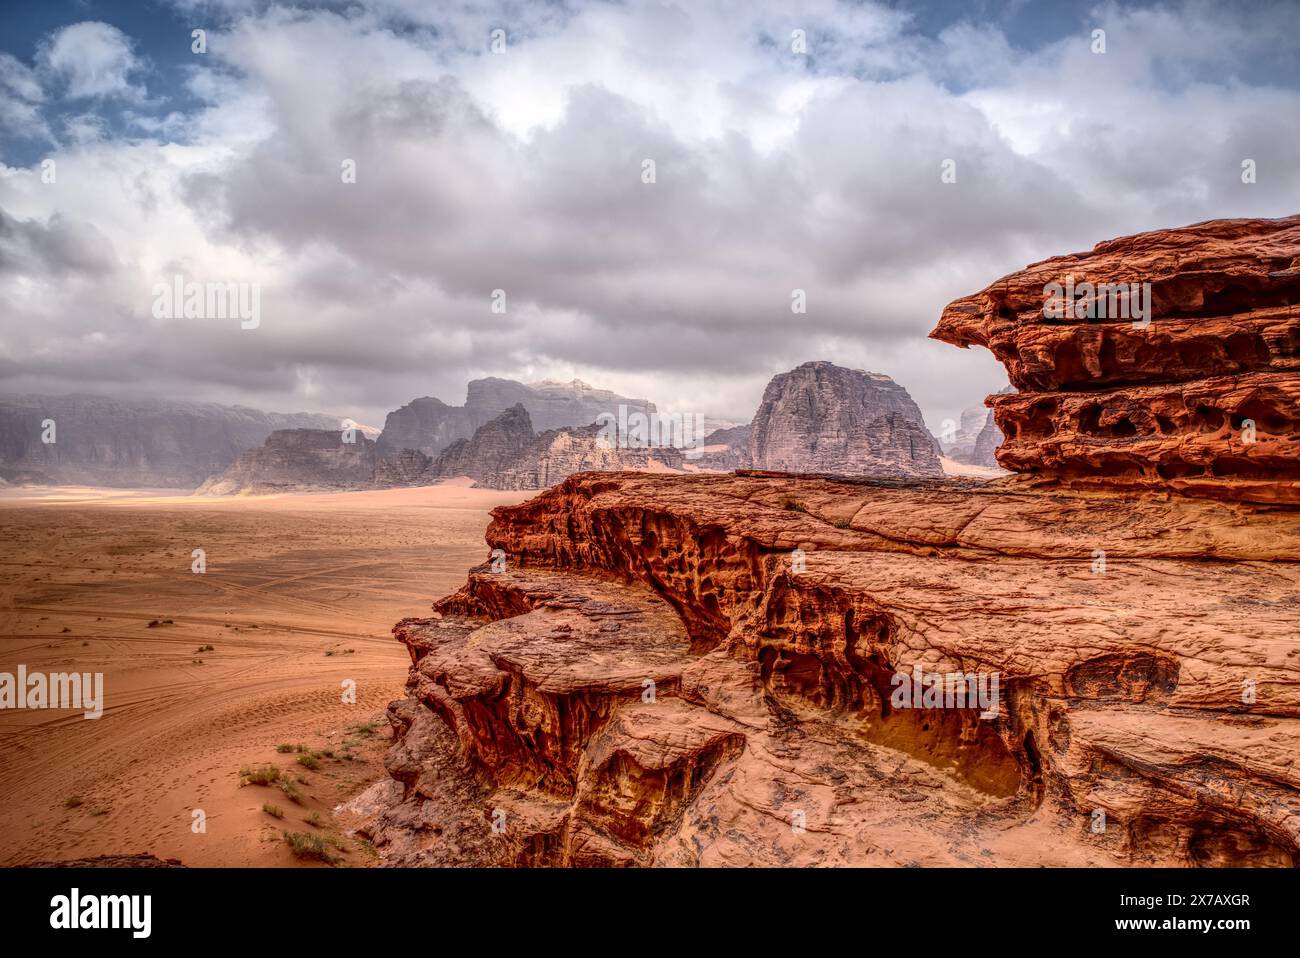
495	445
550	404
986	444
122	443
556	454
958	443
298	460
978	438
823	418
425	425
725	450
429	425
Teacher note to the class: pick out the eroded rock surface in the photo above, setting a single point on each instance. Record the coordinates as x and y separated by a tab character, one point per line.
1202	396
1121	689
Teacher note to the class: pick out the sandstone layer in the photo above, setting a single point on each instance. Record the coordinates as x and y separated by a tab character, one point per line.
768	735
1201	396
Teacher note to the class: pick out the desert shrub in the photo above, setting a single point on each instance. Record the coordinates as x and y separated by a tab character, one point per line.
266	775
290	791
309	847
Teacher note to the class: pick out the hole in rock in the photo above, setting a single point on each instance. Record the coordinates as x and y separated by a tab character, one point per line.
1267	418
1216	845
954	739
1208	418
1032	756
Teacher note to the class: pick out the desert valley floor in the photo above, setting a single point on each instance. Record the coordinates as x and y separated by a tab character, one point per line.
300	594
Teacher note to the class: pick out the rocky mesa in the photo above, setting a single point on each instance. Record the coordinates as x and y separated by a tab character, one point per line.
823	418
762	669
298	460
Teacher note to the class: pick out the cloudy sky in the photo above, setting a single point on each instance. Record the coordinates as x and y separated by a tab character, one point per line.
521	169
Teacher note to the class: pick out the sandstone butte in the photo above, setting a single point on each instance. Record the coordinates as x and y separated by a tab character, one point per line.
658	677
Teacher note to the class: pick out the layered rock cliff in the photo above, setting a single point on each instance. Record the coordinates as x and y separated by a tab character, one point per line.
657	676
1199	393
410	467
822	418
558	453
109	442
426	425
298	460
766	669
496	445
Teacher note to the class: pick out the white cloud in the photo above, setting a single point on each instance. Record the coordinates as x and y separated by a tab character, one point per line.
20	99
92	60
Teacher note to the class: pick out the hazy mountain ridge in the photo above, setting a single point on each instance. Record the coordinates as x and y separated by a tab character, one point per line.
131	443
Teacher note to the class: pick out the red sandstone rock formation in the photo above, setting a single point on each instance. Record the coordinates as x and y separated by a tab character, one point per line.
1113	402
704	670
1121	689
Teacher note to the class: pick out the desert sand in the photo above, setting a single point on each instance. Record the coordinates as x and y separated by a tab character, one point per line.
300	594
